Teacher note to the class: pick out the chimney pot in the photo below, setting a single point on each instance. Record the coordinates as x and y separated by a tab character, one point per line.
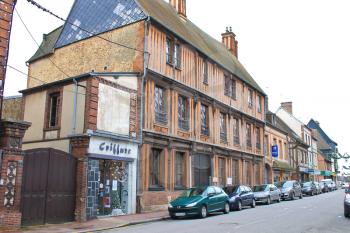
179	6
229	40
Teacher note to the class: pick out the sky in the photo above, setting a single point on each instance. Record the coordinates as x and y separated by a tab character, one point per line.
297	50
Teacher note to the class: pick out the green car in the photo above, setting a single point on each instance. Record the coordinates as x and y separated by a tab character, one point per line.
199	202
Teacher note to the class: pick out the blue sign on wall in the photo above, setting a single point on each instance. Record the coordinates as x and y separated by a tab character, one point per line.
274	151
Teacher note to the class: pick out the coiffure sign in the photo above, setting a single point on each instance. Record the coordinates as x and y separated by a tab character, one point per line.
112	149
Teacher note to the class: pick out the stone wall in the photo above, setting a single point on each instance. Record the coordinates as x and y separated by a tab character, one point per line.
12	108
92	186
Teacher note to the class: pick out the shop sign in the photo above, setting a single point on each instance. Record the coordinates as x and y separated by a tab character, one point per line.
114	148
274	150
303	169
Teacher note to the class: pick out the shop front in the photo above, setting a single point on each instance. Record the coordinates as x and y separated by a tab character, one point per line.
281	171
111	181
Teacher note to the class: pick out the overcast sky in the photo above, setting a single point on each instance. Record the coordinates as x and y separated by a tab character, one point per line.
297	50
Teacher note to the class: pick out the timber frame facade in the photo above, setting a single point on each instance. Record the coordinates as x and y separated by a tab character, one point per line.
202	116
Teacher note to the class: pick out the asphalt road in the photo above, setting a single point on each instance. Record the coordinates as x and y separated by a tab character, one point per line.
318	214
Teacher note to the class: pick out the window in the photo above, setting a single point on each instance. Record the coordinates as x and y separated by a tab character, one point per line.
179	170
259	103
221	172
257	174
201	170
258	140
266	146
160	103
285	151
169	58
205	71
249	135
250	98
156	173
183	113
230	87
236	140
223	127
235	172
54	110
246	172
280	149
204	120
177	55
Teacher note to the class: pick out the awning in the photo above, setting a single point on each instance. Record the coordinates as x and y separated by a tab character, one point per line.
279	165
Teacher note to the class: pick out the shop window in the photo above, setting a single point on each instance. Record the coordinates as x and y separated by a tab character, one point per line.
236	140
249	136
221	172
223	127
204	120
156	169
183	113
201	170
180	170
160	105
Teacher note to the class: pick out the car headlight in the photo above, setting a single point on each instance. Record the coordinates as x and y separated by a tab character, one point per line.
170	205
192	204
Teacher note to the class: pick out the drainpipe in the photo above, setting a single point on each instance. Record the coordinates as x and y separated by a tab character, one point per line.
145	67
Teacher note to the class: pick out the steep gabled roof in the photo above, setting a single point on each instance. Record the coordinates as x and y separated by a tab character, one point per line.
165	14
315	125
47	45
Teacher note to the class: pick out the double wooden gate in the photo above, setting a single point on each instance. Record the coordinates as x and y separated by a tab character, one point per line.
48	187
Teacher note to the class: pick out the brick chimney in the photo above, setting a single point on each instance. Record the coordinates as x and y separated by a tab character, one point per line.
179	6
229	39
288	107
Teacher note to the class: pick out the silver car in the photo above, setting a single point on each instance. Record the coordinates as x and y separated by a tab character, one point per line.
266	193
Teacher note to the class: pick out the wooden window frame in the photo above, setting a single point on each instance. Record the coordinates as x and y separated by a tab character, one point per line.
177	55
222	170
205	128
259	103
258	138
183	121
205	71
230	87
55	91
235	170
250	98
161	115
169	50
236	132
249	135
159	185
183	172
223	127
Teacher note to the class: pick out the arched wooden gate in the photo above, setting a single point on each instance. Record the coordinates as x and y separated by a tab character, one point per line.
48	187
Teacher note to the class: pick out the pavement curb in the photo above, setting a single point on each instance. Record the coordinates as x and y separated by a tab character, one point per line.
126	224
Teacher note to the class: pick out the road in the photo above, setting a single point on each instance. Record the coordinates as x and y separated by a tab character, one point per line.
318	214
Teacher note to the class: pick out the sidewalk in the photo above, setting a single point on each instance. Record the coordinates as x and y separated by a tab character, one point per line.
98	224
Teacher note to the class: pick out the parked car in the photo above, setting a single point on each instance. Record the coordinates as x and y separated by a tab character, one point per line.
240	196
309	188
347	203
200	202
328	183
290	190
324	187
266	193
318	188
334	186
345	185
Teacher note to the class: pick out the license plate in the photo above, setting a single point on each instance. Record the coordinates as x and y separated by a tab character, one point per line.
180	214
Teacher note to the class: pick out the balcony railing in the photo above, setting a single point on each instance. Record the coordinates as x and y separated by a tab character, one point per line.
184	124
161	117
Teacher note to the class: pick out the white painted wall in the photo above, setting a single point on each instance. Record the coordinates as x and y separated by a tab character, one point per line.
291	121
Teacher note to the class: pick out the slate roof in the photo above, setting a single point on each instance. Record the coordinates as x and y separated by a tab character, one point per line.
314	125
47	45
165	14
99	18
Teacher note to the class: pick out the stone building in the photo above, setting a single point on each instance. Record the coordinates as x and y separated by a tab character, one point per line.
147	106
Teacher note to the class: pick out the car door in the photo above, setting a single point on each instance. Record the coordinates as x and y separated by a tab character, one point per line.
211	199
243	195
250	196
273	193
220	200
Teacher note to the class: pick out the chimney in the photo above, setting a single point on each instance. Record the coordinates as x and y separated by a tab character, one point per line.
288	107
180	7
229	39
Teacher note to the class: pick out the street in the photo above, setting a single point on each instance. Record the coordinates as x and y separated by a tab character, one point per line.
322	213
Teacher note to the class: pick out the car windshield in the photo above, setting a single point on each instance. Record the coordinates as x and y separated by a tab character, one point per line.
259	188
192	192
231	189
307	184
287	184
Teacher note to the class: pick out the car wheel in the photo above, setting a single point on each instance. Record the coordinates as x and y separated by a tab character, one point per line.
204	212
312	193
226	208
239	206
268	201
172	216
253	204
301	196
292	197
